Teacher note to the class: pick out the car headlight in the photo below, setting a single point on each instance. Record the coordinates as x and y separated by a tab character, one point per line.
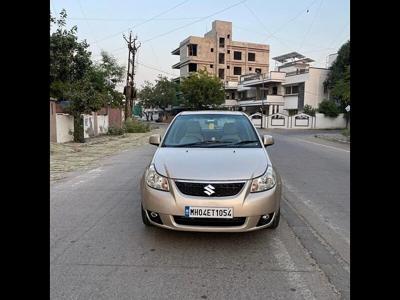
265	182
155	180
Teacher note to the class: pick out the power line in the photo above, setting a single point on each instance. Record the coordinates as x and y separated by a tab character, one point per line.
186	25
263	25
84	15
156	69
312	23
294	18
144	22
338	35
126	20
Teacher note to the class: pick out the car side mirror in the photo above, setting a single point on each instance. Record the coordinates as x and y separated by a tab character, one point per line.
155	139
268	140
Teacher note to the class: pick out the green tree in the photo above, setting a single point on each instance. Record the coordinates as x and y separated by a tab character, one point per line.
309	110
200	90
328	108
69	59
338	81
164	92
341	89
159	95
88	87
146	96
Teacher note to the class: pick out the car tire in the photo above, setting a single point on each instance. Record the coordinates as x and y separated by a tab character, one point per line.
275	223
145	219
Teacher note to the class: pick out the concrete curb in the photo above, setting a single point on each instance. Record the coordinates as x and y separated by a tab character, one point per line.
332	139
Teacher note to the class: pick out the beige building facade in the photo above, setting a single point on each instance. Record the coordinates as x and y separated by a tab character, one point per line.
221	56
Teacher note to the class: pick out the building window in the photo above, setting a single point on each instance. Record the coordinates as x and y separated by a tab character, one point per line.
258	70
192	50
222	42
294	89
302	71
211	66
228	67
275	90
251	56
221	58
229	51
221	73
212	49
192	67
233	95
228	36
250	68
237	71
237	55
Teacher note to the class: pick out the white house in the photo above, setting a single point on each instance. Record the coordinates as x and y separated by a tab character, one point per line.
293	85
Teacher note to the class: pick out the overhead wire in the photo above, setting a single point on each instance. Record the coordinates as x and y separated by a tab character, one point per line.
311	24
144	22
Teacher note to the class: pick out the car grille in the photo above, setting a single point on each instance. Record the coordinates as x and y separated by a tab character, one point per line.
202	189
237	221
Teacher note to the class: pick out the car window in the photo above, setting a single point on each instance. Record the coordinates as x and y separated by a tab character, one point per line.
211	130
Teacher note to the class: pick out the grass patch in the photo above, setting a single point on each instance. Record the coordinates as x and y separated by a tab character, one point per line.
135	126
346	132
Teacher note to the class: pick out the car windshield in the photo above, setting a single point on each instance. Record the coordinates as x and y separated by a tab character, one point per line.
211	131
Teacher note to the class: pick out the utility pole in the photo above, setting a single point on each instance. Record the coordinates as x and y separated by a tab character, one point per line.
129	89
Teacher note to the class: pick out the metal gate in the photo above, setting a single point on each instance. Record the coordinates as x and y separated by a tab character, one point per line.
256	119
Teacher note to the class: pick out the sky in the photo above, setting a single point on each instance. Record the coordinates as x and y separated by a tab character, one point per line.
314	28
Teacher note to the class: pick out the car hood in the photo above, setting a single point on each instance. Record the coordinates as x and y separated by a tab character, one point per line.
211	164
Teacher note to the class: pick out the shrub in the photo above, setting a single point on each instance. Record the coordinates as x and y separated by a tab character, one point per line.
346	132
309	110
112	130
329	108
135	126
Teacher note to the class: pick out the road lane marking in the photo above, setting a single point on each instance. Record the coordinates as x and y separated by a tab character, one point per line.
284	260
316	210
335	148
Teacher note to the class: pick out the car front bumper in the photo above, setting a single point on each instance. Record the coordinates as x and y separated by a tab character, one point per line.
251	206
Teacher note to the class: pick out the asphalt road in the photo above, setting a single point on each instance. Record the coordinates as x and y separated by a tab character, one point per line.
99	248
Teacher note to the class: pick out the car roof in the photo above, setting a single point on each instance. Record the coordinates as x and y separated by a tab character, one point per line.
211	112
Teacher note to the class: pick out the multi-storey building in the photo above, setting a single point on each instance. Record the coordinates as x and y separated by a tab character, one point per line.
220	55
293	85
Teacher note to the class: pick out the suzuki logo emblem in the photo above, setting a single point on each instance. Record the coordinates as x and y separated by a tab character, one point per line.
209	190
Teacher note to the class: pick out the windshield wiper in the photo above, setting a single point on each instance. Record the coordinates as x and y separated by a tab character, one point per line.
244	142
197	144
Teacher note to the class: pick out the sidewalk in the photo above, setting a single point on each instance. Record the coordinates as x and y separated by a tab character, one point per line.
70	157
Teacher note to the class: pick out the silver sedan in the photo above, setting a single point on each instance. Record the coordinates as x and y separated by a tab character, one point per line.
211	172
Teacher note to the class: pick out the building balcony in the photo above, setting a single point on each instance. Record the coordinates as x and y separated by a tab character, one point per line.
230	103
230	85
298	72
177	66
256	79
176	51
271	100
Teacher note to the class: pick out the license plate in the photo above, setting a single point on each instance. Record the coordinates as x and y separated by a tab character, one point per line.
208	212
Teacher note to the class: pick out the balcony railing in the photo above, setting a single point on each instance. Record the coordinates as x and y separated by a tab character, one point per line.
298	72
280	76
